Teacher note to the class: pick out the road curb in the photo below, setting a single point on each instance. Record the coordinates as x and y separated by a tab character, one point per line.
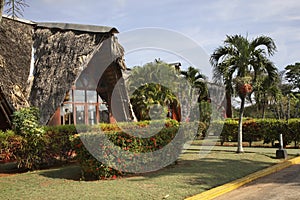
218	191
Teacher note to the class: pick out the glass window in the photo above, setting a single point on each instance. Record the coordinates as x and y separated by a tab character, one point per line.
92	115
67	114
91	96
84	108
80	114
79	96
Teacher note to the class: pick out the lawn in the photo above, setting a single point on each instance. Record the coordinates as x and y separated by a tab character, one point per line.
190	176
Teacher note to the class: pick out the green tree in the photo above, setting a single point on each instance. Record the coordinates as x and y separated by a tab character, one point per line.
293	75
198	83
149	90
197	80
238	63
266	93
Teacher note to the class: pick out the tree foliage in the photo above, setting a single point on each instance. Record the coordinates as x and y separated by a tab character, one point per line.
151	93
239	63
293	75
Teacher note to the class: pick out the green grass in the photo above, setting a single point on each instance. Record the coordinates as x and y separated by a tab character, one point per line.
190	176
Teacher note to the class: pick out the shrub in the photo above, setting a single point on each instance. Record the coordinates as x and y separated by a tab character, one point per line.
267	130
59	145
26	125
227	130
294	130
130	146
40	146
251	131
9	145
26	122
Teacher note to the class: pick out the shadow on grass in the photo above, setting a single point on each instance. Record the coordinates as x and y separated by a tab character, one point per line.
208	171
196	152
70	172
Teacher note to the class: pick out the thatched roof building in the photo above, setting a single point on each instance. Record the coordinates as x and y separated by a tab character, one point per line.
57	67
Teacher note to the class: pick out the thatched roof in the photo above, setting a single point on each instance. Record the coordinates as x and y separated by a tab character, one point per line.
62	52
15	56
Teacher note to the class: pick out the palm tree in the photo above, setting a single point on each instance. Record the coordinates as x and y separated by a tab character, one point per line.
239	63
149	86
199	88
197	80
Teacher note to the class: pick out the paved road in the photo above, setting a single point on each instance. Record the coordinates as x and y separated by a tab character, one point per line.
282	185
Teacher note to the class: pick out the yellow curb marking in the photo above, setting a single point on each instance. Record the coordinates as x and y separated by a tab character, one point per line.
218	191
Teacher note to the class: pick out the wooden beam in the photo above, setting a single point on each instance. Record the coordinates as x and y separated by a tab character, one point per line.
5	113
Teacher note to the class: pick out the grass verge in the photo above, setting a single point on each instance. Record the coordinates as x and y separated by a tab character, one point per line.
190	176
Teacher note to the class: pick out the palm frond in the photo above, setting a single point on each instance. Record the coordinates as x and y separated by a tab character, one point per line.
264	41
15	7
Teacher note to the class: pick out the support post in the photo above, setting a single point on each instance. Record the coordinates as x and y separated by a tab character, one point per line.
281	152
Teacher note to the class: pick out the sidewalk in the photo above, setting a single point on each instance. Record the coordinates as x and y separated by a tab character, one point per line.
281	185
218	191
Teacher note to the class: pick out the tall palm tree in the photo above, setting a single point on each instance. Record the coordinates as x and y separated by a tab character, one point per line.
198	87
197	80
238	64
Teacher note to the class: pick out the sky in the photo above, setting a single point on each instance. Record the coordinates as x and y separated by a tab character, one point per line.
204	23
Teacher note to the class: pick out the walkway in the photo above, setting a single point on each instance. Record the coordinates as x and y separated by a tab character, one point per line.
281	185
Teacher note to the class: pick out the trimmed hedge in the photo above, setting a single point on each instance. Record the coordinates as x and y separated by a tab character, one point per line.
50	145
267	130
37	151
128	154
56	144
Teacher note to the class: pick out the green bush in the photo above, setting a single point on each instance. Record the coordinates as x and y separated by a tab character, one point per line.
40	146
59	145
131	147
267	130
26	125
26	122
9	145
294	129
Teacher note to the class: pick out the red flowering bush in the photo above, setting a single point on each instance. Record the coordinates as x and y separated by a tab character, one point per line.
128	146
9	145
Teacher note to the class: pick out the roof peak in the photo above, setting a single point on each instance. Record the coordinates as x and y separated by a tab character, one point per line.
67	26
78	27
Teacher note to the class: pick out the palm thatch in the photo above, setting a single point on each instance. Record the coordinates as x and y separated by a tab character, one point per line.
60	57
61	53
15	42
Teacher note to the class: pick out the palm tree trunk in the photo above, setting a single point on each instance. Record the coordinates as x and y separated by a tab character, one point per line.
281	111
264	106
1	8
263	112
240	128
228	105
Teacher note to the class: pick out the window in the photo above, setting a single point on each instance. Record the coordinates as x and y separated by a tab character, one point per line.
83	107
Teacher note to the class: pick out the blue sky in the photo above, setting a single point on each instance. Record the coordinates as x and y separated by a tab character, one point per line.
205	22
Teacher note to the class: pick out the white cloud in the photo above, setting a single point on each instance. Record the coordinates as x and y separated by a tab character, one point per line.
207	22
